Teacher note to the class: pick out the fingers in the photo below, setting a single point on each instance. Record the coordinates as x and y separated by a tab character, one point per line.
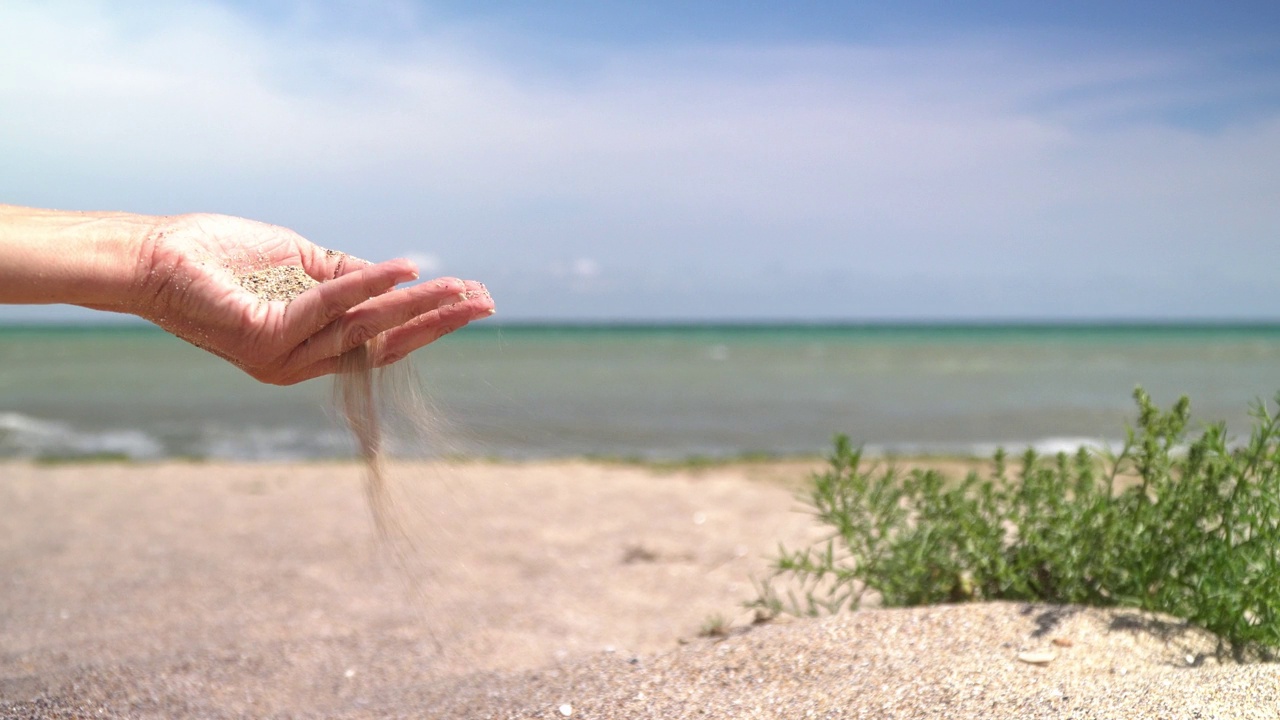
328	301
375	316
402	340
407	337
325	265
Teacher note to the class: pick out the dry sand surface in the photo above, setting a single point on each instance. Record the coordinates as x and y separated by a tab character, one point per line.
545	590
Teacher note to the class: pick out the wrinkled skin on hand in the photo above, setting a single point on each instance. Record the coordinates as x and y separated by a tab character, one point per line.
186	283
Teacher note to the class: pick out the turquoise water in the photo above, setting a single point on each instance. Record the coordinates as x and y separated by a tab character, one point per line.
647	391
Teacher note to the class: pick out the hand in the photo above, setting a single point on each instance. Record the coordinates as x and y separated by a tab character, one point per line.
187	285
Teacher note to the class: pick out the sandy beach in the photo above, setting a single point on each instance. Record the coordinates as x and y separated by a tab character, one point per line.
539	590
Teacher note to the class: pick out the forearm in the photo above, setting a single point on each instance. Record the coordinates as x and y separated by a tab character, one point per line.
78	258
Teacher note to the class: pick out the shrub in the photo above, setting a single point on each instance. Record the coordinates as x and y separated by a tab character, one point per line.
1191	530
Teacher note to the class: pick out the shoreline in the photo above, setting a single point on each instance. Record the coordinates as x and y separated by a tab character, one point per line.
260	589
693	462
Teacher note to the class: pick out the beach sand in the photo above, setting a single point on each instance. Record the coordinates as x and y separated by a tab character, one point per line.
541	590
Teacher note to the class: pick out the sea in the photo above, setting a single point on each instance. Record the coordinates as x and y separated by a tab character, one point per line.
655	392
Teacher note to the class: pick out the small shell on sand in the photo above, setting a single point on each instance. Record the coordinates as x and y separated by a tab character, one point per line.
283	282
1038	657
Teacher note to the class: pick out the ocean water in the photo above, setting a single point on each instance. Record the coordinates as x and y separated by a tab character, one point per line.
656	392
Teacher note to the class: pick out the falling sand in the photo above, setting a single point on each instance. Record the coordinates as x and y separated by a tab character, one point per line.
355	392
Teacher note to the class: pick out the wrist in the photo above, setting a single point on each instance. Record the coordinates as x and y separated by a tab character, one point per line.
77	258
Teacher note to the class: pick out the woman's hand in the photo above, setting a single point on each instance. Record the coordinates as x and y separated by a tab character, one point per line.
188	271
182	273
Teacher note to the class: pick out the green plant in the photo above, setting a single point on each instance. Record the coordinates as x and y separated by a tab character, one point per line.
1191	530
715	626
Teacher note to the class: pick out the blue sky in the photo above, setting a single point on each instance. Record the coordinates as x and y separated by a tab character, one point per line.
674	160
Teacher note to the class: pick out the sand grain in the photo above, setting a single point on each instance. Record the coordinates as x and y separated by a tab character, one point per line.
281	283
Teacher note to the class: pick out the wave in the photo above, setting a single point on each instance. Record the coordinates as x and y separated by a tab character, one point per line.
24	436
1049	446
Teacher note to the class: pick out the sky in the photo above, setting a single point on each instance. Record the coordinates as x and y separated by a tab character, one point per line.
675	161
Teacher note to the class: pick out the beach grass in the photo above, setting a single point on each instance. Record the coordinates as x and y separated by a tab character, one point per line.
1189	529
86	458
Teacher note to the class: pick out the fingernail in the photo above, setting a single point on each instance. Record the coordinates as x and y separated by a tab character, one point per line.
453	300
408	271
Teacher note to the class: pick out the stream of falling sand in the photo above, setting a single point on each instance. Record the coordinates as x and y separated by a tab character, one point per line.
358	392
354	390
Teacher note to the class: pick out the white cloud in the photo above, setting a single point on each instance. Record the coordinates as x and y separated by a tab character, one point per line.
584	268
428	264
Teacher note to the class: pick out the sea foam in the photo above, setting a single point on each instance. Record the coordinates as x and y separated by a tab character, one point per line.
26	436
